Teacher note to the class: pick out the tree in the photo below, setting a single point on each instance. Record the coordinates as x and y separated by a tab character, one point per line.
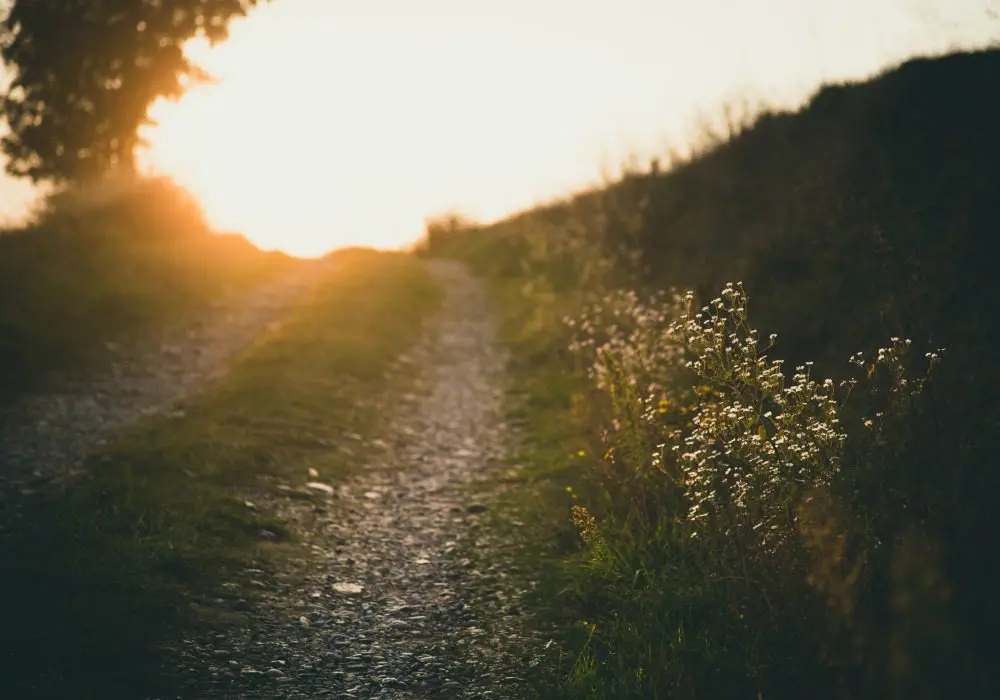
85	73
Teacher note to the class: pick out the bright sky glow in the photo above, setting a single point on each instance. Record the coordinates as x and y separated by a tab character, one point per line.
341	122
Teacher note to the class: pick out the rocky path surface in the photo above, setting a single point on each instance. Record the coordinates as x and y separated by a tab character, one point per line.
48	435
399	596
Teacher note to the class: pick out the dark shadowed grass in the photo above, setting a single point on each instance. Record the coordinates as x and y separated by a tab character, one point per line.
94	269
98	575
651	617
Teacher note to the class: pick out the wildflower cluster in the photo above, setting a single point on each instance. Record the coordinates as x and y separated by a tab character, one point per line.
889	372
625	339
765	439
693	394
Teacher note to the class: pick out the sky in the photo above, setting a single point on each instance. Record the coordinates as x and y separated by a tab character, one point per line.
340	122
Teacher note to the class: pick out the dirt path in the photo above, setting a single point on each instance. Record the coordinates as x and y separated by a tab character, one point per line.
48	435
392	603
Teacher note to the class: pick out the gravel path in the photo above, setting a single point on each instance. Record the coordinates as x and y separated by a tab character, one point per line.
398	598
48	435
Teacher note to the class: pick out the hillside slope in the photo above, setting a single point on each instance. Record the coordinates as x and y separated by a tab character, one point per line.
867	214
95	268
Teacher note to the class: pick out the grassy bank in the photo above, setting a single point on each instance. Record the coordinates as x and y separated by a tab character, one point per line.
710	523
92	268
103	572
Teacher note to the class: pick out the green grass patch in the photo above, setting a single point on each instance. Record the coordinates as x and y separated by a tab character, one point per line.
105	570
90	270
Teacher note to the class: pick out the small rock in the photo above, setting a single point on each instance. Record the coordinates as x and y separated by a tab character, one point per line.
320	486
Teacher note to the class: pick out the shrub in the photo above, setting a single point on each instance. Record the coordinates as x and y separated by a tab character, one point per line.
726	509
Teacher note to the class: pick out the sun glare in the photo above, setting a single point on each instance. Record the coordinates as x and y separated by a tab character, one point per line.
337	123
327	129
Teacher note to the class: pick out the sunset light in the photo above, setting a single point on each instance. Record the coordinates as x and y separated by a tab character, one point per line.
571	349
337	123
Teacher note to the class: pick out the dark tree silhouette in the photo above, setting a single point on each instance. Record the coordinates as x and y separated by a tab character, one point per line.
86	71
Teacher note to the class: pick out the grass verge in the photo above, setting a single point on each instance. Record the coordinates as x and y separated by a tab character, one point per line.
99	574
708	529
85	273
549	472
